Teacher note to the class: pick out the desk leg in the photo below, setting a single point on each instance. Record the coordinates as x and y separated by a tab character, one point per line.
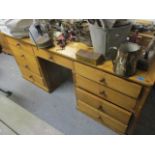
137	110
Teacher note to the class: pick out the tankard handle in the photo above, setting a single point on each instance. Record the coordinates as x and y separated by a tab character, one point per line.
113	51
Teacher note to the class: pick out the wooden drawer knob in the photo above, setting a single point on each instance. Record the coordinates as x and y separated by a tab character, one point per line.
22	56
31	77
101	108
26	66
50	57
103	80
103	93
100	118
18	44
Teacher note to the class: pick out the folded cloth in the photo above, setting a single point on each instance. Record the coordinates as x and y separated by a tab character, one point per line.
17	28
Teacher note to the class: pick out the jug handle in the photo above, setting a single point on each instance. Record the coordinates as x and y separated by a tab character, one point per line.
114	48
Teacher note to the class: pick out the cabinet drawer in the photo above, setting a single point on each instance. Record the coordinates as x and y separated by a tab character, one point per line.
106	93
26	60
104	106
19	45
16	51
32	77
4	44
12	41
109	80
54	58
19	56
32	64
101	117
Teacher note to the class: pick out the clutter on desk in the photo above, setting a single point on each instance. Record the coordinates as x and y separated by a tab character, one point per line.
108	33
109	23
71	30
109	38
147	57
90	57
41	33
17	28
143	26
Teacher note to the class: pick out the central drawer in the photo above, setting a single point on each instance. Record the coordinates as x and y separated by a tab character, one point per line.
101	117
106	93
109	80
54	58
104	106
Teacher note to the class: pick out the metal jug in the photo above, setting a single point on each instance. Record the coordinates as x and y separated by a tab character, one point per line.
125	63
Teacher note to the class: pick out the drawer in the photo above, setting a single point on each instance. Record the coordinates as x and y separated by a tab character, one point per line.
109	80
54	58
26	60
19	45
12	41
104	106
20	59
4	44
32	64
32	77
101	117
16	51
106	93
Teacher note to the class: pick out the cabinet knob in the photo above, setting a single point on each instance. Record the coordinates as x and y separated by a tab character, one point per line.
103	80
31	77
50	57
18	44
26	66
103	93
100	108
100	118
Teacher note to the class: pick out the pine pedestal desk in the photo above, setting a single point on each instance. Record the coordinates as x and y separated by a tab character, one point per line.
113	101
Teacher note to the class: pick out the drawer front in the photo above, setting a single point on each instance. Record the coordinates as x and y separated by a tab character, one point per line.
32	64
4	44
32	77
16	51
26	60
54	58
19	45
26	48
104	106
109	80
101	117
19	56
12	41
106	93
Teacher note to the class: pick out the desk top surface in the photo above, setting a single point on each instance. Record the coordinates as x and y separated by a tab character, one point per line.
141	77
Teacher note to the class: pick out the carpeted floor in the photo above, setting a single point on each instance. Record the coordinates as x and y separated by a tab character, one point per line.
59	108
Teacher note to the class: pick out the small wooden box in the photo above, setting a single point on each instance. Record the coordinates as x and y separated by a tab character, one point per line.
90	57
